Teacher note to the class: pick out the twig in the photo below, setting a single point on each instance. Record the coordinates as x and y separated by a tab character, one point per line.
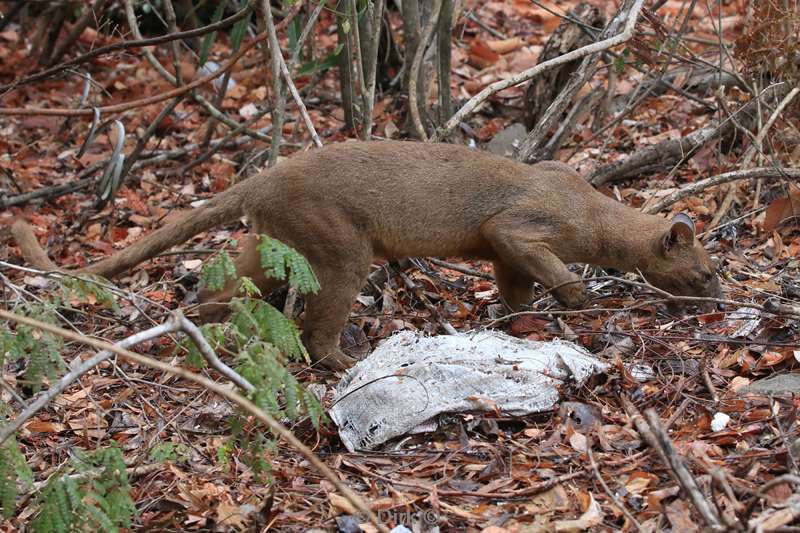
299	101
133	104
473	103
229	395
616	501
460	268
680	472
693	188
126	106
709	384
230	21
673	152
194	333
413	79
142	141
69	378
87	16
533	147
749	154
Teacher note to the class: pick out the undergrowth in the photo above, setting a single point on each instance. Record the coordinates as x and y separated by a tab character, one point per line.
92	491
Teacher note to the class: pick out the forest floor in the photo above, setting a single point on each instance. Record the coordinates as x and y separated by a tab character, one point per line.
479	472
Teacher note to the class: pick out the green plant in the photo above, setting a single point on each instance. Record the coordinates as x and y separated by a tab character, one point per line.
94	493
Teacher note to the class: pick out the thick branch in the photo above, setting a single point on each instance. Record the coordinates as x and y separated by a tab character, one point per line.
671	151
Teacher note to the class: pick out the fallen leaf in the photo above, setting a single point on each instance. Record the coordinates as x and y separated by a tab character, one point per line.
593	516
341	504
782	209
505	46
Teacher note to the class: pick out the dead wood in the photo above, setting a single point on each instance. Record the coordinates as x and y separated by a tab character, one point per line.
674	151
568	36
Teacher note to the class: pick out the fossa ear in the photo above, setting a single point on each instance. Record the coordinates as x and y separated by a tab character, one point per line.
681	232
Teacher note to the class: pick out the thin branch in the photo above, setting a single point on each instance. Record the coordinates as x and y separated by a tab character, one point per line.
193	332
230	21
68	379
681	472
229	395
614	499
471	106
299	101
695	187
126	106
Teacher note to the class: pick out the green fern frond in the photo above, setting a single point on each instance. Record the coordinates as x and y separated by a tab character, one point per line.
88	288
14	471
217	271
248	288
277	258
94	496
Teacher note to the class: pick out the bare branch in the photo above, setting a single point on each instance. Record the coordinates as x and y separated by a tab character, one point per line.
229	395
471	106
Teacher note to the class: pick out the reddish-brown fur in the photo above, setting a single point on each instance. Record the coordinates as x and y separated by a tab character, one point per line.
345	204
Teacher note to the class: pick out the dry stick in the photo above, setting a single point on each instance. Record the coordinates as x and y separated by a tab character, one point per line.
372	67
229	395
172	25
68	379
750	153
533	147
210	108
217	145
194	333
87	16
299	101
684	479
142	141
682	474
177	322
473	103
460	268
413	79
770	306
697	186
669	151
616	501
126	106
128	44
278	96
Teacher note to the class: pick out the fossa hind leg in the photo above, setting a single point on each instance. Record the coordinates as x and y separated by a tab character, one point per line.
327	311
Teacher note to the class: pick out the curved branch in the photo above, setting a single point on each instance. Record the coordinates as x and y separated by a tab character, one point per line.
126	106
473	103
698	186
216	388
